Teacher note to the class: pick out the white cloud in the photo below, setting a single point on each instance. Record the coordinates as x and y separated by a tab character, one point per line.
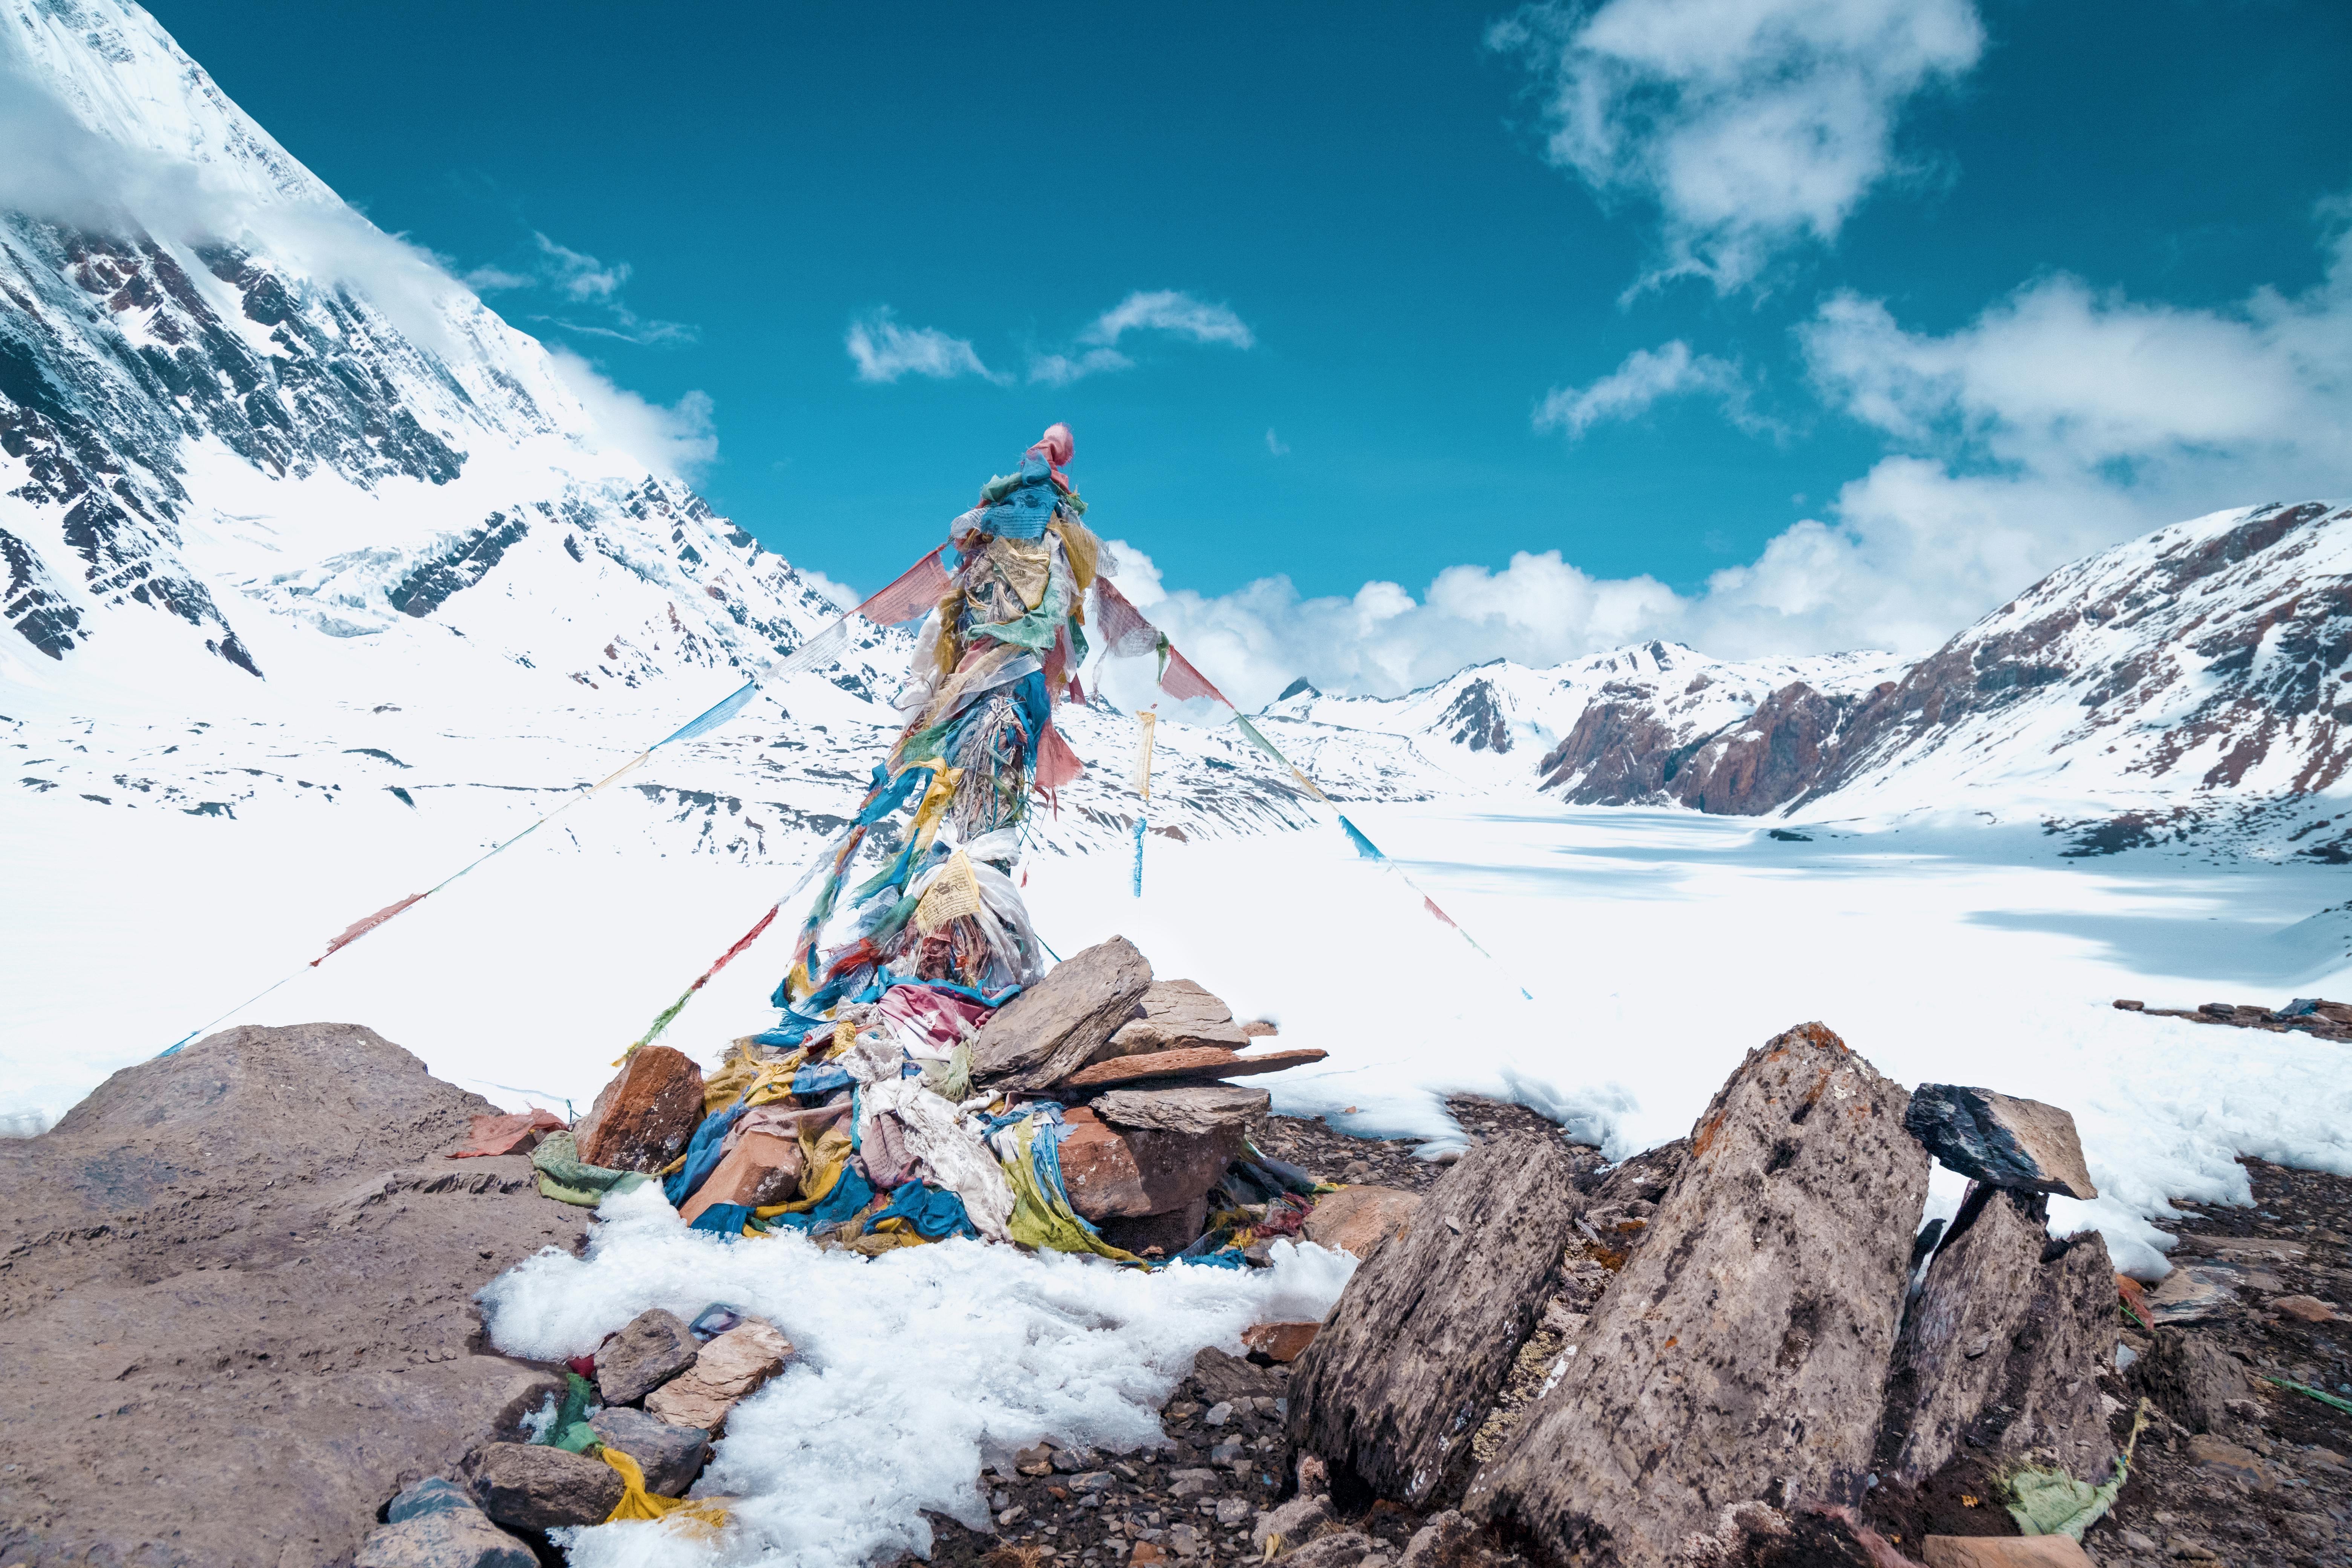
1646	377
1060	370
1276	443
841	594
2061	421
883	351
1168	311
497	279
1752	125
679	440
1144	310
581	276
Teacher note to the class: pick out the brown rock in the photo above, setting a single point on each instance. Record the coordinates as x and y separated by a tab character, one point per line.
1431	1322
645	1117
1099	1171
2310	1309
1358	1219
1063	1022
2216	1454
729	1369
1221	1377
671	1456
1999	1139
537	1488
2005	1345
1280	1342
2191	1379
1259	1029
1202	1063
1134	1171
1742	1349
2004	1551
1178	1015
762	1169
655	1347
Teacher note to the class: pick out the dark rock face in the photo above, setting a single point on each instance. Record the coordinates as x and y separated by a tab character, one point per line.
653	1347
2004	1347
2192	1379
1065	1021
1742	1349
538	1488
1625	752
1410	1359
1476	719
251	1256
1995	1138
465	561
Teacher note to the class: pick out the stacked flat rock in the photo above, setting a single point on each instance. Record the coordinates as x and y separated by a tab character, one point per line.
1137	1061
1999	1140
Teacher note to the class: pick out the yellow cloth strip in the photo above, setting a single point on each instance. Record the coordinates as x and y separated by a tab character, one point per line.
701	1519
953	893
1150	723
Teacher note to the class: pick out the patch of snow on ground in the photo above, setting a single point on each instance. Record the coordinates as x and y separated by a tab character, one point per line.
914	1368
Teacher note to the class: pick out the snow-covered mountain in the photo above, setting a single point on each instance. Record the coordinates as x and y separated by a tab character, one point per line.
274	486
2192	684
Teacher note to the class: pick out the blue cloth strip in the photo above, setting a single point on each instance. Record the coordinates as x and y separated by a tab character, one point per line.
702	1156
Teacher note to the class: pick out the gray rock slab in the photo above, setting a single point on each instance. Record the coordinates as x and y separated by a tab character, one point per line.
1999	1139
431	1496
655	1347
1063	1022
1177	1014
2003	1348
1741	1352
246	1259
1410	1361
2192	1379
1194	1109
538	1488
671	1456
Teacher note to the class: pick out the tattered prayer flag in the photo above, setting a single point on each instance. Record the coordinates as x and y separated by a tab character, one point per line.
1365	847
1431	905
1183	682
1057	764
1125	633
912	596
359	929
703	723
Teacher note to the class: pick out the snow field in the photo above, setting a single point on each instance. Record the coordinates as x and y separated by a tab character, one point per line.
916	1368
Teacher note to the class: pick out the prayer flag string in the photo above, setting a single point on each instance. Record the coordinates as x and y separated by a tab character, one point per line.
911	593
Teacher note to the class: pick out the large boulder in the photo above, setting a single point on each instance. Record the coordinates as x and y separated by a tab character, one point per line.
645	1116
1741	1350
249	1259
2003	1348
1999	1139
1410	1359
2192	1379
1063	1022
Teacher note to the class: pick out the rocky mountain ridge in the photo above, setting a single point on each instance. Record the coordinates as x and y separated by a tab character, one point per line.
2193	683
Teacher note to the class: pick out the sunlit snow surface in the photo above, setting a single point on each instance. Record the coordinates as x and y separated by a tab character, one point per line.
916	1367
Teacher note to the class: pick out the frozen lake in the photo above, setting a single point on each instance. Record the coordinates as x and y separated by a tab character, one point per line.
1658	947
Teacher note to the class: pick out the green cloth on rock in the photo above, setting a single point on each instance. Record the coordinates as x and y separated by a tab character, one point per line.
563	1177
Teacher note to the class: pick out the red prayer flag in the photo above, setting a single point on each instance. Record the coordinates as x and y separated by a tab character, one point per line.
1181	681
359	929
913	594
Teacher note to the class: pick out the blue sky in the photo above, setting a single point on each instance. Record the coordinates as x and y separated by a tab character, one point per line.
1787	324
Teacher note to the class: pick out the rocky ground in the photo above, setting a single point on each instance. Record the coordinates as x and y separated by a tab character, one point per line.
235	1304
233	1273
